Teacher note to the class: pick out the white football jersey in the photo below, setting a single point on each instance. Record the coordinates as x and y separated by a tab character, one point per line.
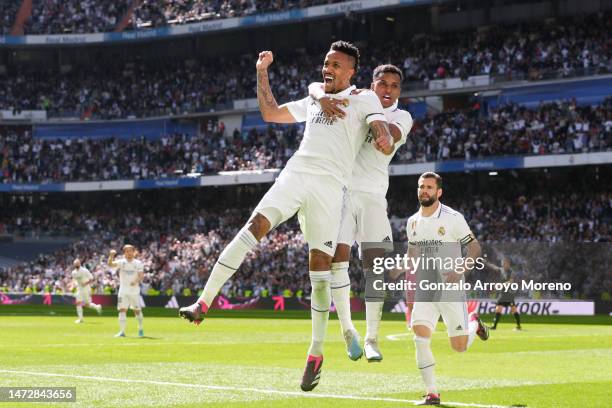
330	148
371	171
128	272
80	276
445	230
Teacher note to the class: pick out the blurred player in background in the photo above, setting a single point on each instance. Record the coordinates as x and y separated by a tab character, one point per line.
506	299
131	274
311	185
364	216
432	226
83	279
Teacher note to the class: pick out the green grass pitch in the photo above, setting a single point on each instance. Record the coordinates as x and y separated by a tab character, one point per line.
255	359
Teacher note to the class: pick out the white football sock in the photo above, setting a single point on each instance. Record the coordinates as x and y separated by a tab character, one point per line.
373	316
341	294
228	263
79	311
140	318
93	306
472	328
426	363
320	301
122	319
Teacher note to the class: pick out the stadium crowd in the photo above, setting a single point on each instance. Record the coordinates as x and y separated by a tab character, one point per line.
75	16
155	13
25	159
179	243
140	88
88	16
8	12
507	130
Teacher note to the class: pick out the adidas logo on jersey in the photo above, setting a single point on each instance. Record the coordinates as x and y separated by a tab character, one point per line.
328	244
387	239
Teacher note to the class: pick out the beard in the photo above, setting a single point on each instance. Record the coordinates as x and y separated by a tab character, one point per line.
427	202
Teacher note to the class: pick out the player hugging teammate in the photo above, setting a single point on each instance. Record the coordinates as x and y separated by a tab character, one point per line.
311	184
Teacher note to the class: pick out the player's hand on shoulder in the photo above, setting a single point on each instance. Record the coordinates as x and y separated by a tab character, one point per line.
264	60
358	91
332	107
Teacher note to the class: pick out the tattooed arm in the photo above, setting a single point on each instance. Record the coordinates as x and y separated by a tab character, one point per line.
383	141
270	111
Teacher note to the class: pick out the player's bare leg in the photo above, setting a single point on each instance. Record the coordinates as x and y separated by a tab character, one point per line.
475	328
426	363
341	295
122	322
79	309
96	307
228	263
320	302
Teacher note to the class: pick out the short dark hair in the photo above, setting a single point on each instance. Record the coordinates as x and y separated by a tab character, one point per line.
385	68
431	174
348	49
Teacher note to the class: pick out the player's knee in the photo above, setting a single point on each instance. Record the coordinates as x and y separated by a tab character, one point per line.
421	331
460	348
459	344
343	253
320	261
259	226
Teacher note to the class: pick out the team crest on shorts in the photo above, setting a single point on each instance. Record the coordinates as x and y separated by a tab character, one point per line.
441	231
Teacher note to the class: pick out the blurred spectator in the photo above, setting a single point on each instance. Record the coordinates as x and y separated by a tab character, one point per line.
179	241
509	130
137	88
8	12
75	17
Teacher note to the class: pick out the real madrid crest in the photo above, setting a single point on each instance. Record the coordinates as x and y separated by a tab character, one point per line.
441	231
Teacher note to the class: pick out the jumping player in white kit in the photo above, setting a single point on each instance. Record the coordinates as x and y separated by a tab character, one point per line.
311	185
364	217
438	227
83	279
131	274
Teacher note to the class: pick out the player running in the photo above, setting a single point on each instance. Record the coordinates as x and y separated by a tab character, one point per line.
364	217
438	228
506	299
131	274
83	279
311	185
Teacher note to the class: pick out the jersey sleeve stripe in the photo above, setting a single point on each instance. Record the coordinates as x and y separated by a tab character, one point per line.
467	239
399	125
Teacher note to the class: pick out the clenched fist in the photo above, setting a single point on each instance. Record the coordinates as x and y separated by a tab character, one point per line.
264	60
